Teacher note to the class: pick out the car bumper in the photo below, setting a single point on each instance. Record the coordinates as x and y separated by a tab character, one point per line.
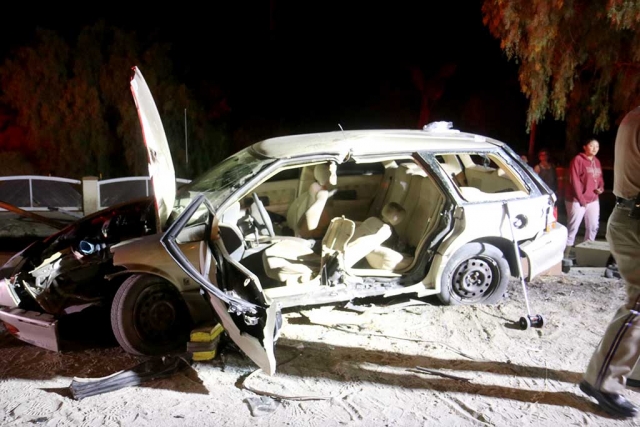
39	329
29	326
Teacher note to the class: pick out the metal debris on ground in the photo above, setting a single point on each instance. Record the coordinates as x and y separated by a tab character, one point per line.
160	367
262	405
383	309
441	374
242	384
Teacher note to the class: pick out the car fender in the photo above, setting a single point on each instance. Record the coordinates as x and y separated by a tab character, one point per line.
146	255
472	224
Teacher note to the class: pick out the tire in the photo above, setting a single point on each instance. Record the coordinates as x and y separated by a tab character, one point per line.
478	273
149	316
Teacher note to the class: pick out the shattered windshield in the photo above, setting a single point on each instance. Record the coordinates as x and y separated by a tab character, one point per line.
220	181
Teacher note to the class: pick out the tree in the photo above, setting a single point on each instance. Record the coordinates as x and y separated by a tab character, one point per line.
579	60
431	88
75	106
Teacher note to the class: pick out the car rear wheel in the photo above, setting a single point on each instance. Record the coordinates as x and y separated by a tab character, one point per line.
149	316
478	273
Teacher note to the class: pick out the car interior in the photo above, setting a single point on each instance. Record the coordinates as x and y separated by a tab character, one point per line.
317	223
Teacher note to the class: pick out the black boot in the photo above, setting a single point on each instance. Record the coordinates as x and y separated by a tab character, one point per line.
612	403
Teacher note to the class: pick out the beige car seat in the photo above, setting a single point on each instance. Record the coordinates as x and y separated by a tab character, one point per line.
371	233
290	262
307	216
384	257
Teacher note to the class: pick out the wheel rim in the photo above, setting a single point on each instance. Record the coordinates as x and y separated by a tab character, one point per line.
157	315
475	279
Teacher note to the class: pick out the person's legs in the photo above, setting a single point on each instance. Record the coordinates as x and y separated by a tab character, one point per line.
591	221
575	213
619	350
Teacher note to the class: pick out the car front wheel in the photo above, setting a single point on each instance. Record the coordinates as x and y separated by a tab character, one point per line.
478	273
149	316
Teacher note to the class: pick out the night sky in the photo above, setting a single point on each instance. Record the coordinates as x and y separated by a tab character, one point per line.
297	67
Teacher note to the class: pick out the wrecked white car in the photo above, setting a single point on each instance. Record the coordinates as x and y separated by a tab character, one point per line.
296	221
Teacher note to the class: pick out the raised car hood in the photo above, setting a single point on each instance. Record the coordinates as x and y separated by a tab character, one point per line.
163	176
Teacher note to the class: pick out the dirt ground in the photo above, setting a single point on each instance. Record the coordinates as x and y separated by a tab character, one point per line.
338	366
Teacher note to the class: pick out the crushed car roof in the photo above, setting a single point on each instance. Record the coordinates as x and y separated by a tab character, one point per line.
364	142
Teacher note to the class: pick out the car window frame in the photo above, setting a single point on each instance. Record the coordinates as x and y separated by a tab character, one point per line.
271	171
509	161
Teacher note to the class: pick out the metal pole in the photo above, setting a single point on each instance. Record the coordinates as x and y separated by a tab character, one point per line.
516	252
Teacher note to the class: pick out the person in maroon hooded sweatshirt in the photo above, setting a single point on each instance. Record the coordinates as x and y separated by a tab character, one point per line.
582	194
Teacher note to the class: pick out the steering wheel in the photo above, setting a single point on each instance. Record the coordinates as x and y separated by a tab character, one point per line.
264	215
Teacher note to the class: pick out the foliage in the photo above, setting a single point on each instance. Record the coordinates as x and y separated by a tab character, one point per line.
74	103
577	58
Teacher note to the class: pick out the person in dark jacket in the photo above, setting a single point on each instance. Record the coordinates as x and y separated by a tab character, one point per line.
582	194
547	170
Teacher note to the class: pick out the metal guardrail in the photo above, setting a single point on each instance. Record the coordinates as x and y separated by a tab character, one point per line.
45	193
41	193
111	191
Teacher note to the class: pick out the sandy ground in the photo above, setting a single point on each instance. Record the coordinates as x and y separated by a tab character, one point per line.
338	366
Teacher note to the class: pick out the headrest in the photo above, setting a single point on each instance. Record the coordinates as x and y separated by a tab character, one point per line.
325	173
393	213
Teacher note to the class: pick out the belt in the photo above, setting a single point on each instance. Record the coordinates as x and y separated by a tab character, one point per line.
625	203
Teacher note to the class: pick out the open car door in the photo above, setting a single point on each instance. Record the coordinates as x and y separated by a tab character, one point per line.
249	320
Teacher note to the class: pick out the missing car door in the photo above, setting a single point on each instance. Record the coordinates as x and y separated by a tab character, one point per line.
250	325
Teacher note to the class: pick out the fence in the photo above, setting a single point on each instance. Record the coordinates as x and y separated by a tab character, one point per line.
118	190
41	193
45	193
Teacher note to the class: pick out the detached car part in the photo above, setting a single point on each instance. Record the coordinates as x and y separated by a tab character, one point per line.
149	370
